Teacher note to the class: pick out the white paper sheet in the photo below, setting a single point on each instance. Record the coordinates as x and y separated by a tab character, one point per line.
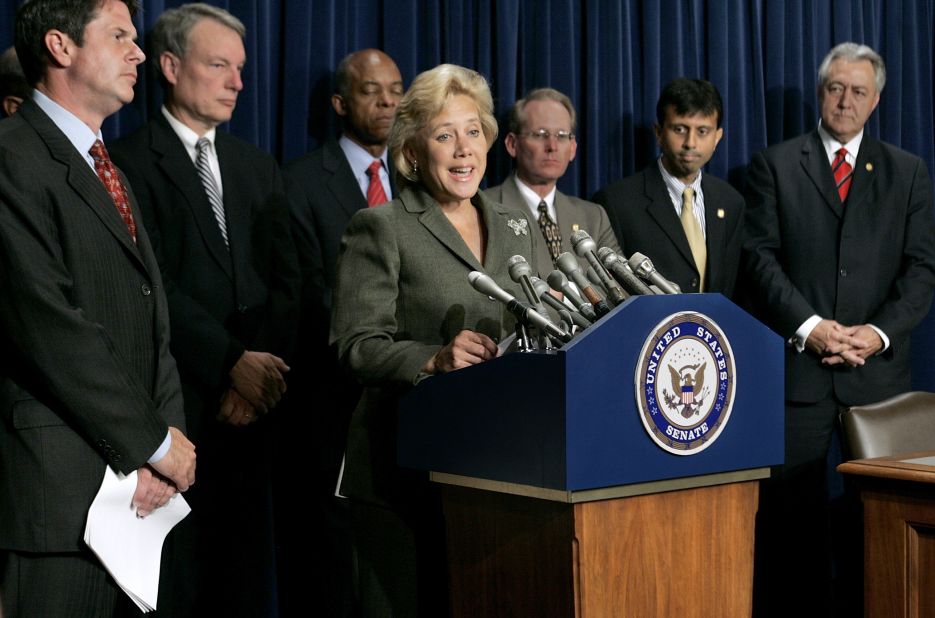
129	547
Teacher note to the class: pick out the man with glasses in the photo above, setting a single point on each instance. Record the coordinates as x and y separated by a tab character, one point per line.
542	141
696	247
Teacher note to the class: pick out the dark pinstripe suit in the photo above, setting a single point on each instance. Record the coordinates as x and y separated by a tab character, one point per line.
86	376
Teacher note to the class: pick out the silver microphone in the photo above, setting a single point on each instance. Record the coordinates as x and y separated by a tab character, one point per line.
585	247
524	313
643	267
622	272
558	281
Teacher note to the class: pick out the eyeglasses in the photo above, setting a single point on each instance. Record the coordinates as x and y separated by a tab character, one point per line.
543	136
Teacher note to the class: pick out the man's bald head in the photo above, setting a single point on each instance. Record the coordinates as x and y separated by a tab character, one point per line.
367	89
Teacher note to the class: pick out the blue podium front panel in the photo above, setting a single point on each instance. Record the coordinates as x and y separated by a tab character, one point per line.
575	419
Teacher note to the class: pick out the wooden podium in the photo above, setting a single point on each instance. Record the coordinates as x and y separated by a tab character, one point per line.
898	495
558	503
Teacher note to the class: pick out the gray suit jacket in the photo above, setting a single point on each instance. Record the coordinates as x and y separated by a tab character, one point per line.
87	378
573	214
402	294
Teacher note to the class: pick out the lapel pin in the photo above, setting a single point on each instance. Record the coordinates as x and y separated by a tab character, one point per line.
869	167
720	213
519	226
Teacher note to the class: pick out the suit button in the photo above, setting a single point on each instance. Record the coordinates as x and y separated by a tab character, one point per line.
843	272
145	289
694	284
241	309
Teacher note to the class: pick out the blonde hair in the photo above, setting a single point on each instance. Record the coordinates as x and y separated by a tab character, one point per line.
426	98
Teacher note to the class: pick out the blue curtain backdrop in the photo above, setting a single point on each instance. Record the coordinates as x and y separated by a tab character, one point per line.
610	57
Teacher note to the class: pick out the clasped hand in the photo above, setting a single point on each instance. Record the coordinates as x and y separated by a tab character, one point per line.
838	344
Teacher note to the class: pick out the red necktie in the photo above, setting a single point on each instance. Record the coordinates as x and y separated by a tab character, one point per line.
108	174
375	193
842	173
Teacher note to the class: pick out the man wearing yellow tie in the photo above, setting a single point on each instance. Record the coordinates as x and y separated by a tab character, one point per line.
689	223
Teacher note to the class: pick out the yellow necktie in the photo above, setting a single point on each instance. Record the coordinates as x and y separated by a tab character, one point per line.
693	233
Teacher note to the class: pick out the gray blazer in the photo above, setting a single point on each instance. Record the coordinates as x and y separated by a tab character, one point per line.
86	377
573	214
402	293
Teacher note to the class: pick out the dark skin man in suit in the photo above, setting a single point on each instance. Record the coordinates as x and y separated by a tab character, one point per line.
87	379
326	187
840	254
216	209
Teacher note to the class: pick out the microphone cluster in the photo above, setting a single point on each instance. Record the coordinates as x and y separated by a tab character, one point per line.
610	279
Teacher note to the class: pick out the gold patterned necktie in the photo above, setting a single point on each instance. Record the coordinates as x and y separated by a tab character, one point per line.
553	238
693	232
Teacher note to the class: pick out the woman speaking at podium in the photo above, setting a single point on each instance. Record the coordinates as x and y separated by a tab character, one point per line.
404	310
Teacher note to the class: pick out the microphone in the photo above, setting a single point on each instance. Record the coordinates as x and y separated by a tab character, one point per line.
520	271
542	289
621	272
568	264
643	267
585	247
524	313
558	281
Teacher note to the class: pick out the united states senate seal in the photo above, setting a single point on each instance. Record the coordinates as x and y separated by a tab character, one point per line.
685	383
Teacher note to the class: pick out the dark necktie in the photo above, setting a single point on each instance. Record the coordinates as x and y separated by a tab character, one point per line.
211	186
108	174
375	193
553	238
843	173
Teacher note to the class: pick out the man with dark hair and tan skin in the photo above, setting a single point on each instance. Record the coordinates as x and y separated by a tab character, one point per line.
86	380
326	187
689	222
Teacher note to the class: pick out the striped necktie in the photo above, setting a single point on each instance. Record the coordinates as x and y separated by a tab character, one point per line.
843	173
211	186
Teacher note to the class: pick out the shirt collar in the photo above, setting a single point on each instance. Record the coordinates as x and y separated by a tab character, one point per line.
675	186
78	133
188	137
532	199
358	157
832	145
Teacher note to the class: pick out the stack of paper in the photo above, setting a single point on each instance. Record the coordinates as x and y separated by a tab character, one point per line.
129	547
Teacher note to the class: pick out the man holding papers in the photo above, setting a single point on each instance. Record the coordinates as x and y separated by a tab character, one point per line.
86	378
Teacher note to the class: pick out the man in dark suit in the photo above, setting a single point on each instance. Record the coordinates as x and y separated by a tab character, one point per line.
697	247
841	256
216	209
542	142
326	187
86	379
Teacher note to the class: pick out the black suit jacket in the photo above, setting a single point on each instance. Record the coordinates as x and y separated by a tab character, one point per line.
644	220
221	301
323	195
86	376
871	260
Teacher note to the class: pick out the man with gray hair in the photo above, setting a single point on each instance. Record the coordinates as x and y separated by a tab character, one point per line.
215	207
841	257
542	141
